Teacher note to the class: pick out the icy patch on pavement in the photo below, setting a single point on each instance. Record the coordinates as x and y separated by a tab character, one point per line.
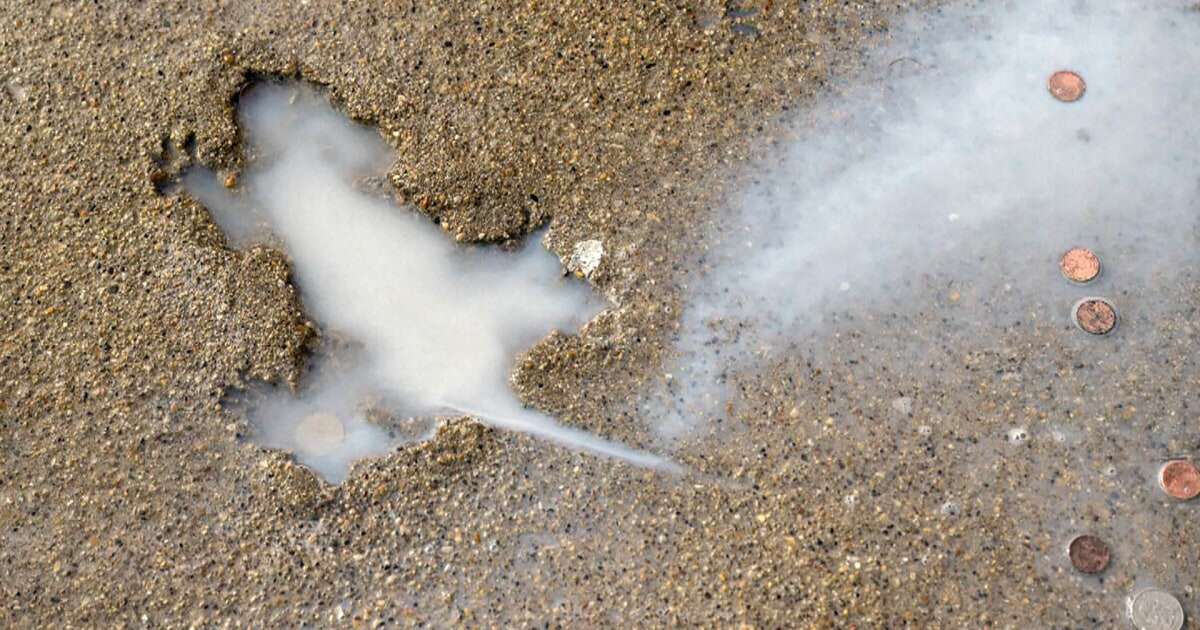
439	324
952	161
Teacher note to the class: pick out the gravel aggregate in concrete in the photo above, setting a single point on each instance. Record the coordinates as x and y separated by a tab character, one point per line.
129	497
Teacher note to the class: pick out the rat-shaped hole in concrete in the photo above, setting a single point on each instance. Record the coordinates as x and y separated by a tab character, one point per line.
438	324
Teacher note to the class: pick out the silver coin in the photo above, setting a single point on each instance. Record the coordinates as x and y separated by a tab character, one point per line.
1155	609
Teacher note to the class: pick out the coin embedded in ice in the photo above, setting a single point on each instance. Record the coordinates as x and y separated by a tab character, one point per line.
1155	609
1180	479
1080	265
1066	86
1095	315
320	433
1088	554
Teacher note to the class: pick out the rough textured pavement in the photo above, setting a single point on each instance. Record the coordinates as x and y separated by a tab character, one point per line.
128	497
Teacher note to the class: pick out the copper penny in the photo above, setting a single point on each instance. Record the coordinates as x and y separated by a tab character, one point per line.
1080	265
1088	554
320	433
1066	86
1095	316
1180	479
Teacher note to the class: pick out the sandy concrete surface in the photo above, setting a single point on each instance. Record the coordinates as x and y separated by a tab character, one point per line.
130	498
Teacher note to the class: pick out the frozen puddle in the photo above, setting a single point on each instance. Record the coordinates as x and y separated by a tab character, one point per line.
950	161
913	233
438	325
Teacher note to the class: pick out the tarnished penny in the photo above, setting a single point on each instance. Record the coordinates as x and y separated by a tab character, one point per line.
1180	479
1155	609
1095	316
1088	554
320	433
1066	86
1080	265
